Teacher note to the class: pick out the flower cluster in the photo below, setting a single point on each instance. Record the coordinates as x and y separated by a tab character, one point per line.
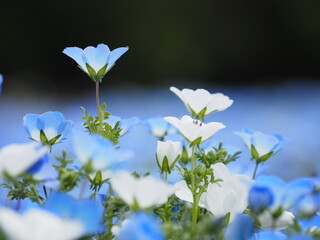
90	191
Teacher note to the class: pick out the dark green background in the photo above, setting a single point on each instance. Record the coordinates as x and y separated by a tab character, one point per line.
172	42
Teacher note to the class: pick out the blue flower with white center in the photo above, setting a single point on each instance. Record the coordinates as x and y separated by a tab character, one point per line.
96	152
260	197
1	81
48	128
142	227
86	211
159	127
95	61
262	146
240	229
124	124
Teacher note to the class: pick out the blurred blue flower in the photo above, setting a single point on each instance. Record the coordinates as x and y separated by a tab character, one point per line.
99	152
49	127
124	124
159	127
142	227
260	197
262	146
286	195
1	81
95	61
241	228
86	211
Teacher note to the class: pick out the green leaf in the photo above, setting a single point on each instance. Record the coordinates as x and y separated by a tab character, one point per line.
92	72
102	72
53	140
202	113
165	165
254	153
43	137
265	157
196	141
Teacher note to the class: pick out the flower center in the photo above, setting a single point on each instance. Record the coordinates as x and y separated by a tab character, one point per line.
197	122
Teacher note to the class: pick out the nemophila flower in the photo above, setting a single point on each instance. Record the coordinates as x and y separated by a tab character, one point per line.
143	192
262	146
286	195
86	211
229	195
240	229
159	127
260	197
194	130
167	155
16	159
143	227
125	124
95	152
95	61
38	224
48	128
201	103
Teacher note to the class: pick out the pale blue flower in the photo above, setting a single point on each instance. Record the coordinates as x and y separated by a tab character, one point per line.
86	211
95	61
142	227
49	127
99	152
241	228
125	124
159	127
262	146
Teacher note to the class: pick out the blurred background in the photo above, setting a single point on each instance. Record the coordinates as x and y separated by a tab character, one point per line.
263	54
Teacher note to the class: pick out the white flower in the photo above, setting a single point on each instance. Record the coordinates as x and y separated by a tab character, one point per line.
285	220
228	195
200	102
144	191
167	154
193	129
37	224
18	158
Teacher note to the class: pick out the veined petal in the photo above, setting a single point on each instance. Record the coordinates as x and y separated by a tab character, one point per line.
96	57
209	129
30	125
246	136
65	128
263	143
51	121
76	54
218	102
115	55
197	100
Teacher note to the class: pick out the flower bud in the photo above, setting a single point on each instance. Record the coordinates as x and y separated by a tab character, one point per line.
167	154
260	198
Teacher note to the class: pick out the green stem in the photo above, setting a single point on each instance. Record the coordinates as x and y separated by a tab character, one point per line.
98	105
166	177
255	171
194	194
109	218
